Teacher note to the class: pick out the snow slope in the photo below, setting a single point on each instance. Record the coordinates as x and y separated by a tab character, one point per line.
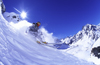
96	60
17	48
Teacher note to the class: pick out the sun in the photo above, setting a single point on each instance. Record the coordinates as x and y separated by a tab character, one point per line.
23	14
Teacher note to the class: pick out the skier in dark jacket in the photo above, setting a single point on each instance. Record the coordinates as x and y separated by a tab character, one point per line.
35	27
34	30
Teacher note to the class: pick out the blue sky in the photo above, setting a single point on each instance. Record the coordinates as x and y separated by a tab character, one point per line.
62	17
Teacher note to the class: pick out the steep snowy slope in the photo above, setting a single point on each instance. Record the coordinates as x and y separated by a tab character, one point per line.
95	55
18	48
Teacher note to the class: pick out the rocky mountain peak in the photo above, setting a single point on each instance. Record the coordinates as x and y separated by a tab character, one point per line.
89	27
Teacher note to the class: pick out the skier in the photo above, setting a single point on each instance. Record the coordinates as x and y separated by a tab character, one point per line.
3	9
34	30
35	27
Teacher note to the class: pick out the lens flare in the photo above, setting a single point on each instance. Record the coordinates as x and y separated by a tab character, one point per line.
23	15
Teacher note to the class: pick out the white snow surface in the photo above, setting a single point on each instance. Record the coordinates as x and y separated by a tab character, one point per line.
93	58
19	48
81	48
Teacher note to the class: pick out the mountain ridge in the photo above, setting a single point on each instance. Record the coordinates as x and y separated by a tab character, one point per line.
89	30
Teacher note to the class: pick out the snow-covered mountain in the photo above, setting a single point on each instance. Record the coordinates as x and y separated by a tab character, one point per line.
83	42
20	48
89	30
11	17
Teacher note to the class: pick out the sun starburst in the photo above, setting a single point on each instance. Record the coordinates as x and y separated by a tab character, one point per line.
23	14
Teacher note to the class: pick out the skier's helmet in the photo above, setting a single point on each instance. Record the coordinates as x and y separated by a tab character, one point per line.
38	23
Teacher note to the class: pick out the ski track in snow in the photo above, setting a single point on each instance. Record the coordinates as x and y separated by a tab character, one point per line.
20	49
